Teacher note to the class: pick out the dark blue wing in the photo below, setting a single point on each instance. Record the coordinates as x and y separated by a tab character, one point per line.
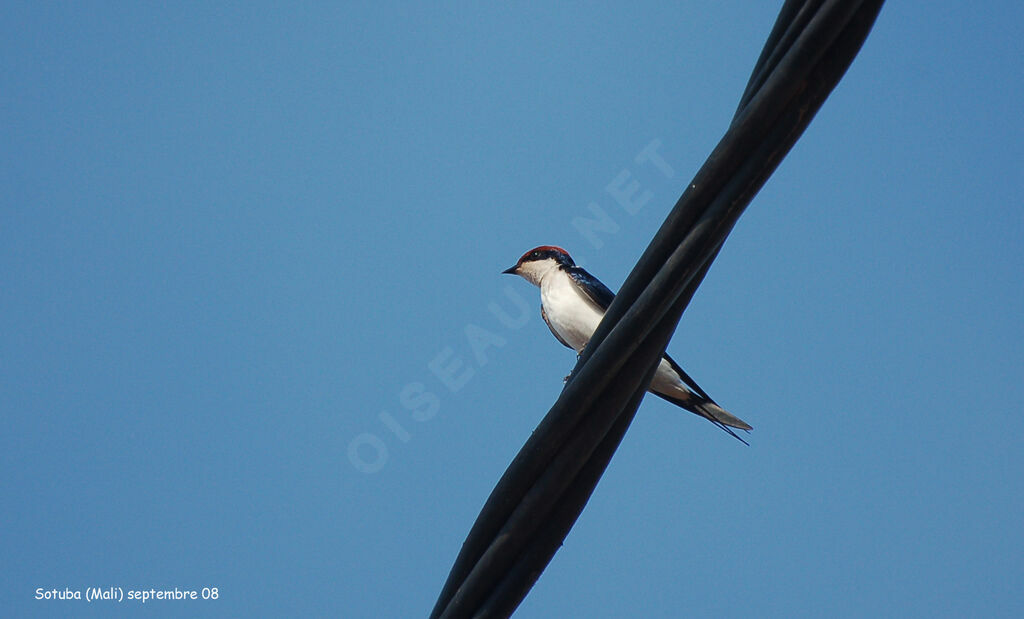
598	292
602	297
689	382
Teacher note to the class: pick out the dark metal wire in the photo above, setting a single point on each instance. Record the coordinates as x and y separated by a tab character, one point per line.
545	488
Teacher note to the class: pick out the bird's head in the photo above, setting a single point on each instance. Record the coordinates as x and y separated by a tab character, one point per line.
540	261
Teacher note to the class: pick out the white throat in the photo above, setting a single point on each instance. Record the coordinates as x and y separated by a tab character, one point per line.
536	271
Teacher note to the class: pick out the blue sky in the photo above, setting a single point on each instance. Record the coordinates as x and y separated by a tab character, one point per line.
239	241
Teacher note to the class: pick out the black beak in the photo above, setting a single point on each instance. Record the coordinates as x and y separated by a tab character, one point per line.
511	271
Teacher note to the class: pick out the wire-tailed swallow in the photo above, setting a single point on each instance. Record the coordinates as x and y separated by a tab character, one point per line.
573	302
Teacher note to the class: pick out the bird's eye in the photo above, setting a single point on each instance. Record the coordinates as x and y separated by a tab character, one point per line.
535	254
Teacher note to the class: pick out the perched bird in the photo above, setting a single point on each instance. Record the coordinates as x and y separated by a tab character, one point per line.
573	302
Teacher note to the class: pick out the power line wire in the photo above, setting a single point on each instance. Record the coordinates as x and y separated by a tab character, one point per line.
545	488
